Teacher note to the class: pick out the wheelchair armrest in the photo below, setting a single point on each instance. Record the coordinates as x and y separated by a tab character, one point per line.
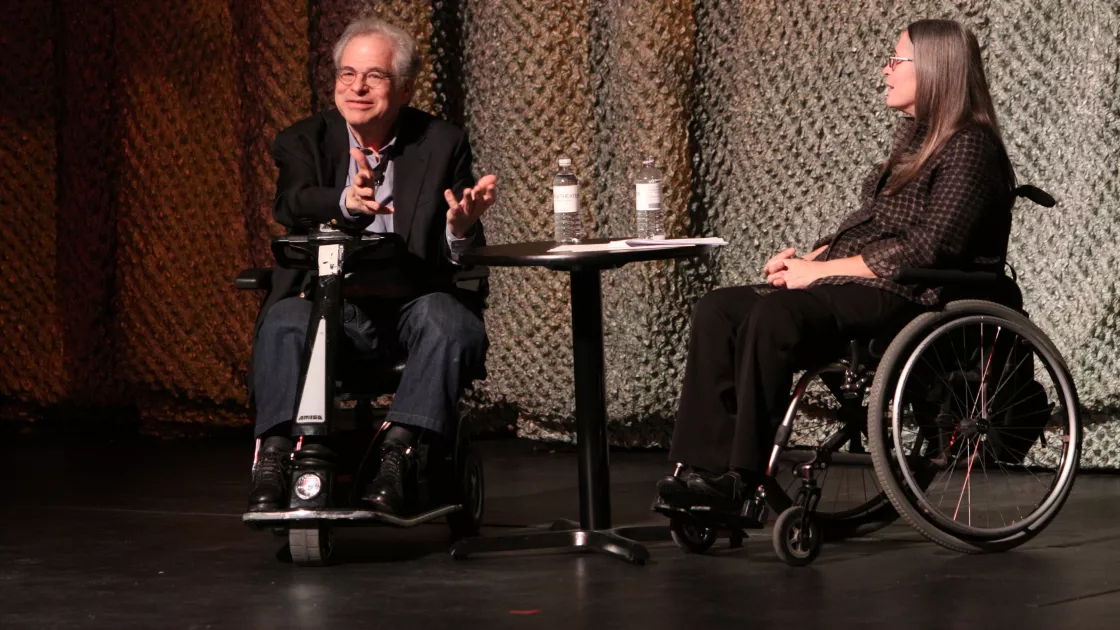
259	279
471	278
941	277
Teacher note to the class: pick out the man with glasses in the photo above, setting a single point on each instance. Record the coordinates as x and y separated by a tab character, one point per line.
377	165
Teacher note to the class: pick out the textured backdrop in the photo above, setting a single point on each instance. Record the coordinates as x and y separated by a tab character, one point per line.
135	180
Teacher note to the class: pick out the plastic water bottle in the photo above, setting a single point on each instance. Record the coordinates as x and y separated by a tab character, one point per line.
565	203
651	214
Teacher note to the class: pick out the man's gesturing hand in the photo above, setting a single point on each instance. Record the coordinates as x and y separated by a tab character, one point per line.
463	213
363	187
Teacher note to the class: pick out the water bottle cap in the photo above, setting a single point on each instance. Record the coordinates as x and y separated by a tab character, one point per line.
564	162
647	160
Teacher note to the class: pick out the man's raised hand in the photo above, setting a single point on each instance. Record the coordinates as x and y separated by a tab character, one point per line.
360	195
463	213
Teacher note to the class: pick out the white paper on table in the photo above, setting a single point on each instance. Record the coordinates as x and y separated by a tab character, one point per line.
635	243
653	242
589	247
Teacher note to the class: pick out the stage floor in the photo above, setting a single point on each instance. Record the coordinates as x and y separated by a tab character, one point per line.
148	535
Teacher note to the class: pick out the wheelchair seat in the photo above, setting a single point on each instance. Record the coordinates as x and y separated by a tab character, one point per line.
864	353
369	377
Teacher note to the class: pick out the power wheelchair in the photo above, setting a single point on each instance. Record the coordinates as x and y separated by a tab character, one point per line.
336	392
964	420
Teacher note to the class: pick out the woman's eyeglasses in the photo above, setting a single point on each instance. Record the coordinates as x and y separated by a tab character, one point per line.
893	62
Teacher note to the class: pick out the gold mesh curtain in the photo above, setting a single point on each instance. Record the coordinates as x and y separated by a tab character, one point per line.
31	346
136	184
136	181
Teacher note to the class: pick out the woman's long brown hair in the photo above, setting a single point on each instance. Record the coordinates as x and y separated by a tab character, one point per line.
952	94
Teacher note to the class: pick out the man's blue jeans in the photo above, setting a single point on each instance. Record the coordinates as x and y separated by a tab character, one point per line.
445	344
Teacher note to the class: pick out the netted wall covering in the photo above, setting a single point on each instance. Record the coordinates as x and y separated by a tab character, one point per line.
136	181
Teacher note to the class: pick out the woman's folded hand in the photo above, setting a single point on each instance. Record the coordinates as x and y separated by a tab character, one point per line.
795	273
775	264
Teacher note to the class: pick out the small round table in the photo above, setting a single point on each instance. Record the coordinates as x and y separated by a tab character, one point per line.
594	531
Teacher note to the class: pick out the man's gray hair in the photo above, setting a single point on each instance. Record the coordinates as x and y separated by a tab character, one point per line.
406	56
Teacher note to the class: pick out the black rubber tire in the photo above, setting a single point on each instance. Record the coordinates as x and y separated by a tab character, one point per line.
470	492
883	389
690	536
311	546
786	534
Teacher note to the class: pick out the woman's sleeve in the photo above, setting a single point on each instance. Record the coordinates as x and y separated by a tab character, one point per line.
961	188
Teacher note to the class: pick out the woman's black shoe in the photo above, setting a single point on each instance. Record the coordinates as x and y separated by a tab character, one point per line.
720	492
672	490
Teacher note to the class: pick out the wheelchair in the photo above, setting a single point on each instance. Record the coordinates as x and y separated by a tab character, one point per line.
335	402
965	421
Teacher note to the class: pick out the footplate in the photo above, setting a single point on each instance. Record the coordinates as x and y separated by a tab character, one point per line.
706	516
342	517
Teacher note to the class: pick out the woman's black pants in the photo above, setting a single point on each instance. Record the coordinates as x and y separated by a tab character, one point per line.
745	345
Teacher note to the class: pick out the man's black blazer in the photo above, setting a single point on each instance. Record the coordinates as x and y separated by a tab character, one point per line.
314	156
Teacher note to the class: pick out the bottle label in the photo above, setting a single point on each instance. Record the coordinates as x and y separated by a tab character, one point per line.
565	199
649	197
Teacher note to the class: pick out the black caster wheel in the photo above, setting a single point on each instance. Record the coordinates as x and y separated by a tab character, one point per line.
470	493
310	546
691	536
796	547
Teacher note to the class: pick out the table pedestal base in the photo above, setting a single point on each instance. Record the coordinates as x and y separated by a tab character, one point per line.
620	542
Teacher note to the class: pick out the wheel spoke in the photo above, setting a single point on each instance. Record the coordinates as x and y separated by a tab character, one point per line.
948	386
963	372
966	486
1017	366
988	486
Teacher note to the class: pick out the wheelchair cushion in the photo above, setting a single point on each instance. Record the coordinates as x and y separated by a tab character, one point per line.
368	377
1002	290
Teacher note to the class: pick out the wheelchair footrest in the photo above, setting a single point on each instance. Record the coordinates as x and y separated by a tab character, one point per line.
341	517
706	516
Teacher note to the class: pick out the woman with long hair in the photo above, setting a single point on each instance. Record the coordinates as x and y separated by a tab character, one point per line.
942	199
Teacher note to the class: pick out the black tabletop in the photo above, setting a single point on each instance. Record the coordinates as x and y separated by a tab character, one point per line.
536	254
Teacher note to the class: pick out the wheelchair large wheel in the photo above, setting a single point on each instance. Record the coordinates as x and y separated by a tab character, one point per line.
977	398
828	426
311	546
470	493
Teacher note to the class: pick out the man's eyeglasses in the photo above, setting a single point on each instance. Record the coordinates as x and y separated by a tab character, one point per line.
372	78
893	62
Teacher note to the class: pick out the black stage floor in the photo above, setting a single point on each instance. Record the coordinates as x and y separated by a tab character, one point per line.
148	535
